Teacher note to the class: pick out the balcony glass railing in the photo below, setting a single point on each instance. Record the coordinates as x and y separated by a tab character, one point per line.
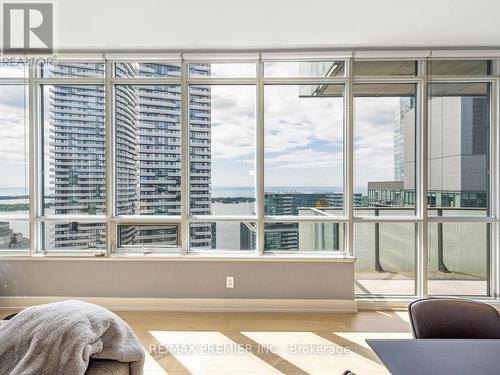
386	251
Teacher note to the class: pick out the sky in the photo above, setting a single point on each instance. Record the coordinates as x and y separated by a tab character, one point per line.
303	138
14	137
303	135
373	140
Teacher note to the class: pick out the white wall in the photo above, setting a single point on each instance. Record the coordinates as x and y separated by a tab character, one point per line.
268	24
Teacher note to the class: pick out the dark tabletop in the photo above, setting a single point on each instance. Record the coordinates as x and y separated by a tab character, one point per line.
436	356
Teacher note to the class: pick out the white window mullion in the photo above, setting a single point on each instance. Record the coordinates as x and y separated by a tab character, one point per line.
35	159
422	255
259	162
494	272
184	228
109	126
349	160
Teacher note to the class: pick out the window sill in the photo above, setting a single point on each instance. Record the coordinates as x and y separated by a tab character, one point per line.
220	257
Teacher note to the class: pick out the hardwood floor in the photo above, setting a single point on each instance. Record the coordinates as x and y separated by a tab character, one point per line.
264	343
181	343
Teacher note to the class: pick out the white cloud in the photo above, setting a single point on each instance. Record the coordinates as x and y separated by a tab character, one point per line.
233	70
13	132
233	121
305	158
292	121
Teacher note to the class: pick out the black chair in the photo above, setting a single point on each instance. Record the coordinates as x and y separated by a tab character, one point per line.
450	318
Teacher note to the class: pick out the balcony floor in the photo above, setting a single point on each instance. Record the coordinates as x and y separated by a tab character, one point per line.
440	283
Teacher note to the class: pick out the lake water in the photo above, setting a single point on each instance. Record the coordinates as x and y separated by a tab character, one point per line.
227	233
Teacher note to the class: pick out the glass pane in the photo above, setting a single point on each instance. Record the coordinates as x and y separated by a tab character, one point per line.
325	69
147	238
14	181
145	70
73	235
458	154
148	149
73	70
304	236
74	150
385	68
303	149
385	258
13	69
459	67
458	259
222	150
223	70
14	235
223	235
384	149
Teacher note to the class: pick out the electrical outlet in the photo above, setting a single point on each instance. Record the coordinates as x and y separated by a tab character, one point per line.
229	282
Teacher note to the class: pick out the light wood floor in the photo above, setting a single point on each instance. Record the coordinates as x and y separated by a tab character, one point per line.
179	343
264	343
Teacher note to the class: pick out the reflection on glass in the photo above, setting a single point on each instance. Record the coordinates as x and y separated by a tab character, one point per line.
147	70
222	235
325	69
223	70
458	154
385	258
303	149
74	235
147	238
148	155
459	67
304	236
385	68
14	235
222	150
13	69
458	258
73	70
14	194
384	149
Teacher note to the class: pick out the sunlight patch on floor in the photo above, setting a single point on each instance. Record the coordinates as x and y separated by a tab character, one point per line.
151	367
315	354
211	353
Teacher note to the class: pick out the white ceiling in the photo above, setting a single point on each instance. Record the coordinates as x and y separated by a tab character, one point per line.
275	24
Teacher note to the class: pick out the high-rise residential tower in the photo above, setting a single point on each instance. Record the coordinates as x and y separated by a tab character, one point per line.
147	122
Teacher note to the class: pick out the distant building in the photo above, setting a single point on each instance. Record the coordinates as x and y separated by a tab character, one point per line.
248	236
457	154
285	235
10	239
404	123
337	199
385	194
458	151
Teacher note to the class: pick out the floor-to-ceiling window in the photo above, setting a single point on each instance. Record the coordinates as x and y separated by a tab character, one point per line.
393	161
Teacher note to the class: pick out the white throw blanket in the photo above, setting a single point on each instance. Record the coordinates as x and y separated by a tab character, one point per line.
60	338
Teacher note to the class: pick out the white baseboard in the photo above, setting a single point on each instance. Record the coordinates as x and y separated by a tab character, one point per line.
195	304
